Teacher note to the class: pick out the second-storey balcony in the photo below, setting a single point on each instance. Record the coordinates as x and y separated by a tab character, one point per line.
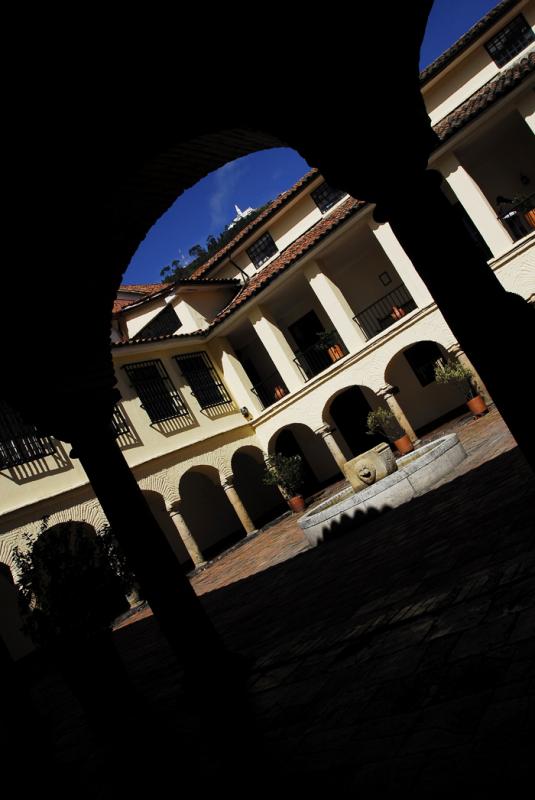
271	389
318	357
390	308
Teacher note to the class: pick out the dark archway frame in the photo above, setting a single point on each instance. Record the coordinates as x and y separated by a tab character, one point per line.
110	158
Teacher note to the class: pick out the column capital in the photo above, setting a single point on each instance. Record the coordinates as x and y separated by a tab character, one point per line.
227	482
325	430
455	350
173	506
387	391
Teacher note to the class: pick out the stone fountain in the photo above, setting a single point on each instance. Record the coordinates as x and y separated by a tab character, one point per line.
379	482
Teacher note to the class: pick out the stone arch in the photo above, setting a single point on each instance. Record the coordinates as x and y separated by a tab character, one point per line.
207	511
263	503
6	554
159	484
319	467
422	399
346	411
90	512
157	505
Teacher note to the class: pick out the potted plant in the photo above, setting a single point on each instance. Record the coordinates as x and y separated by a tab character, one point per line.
286	472
382	421
452	371
329	341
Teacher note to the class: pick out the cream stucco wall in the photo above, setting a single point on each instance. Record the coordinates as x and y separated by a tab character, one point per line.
366	368
159	438
516	270
474	69
296	218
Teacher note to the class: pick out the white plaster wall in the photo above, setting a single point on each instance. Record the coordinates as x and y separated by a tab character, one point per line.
138	318
516	272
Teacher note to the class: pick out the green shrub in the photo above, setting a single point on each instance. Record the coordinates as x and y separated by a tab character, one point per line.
382	421
452	371
285	472
72	582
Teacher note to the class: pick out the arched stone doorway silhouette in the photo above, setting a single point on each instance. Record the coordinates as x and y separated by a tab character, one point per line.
348	411
421	398
263	503
131	173
319	467
207	511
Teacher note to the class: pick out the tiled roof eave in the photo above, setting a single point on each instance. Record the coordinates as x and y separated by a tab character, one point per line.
455	121
484	97
467	40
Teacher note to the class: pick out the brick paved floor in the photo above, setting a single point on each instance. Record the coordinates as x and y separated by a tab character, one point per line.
399	656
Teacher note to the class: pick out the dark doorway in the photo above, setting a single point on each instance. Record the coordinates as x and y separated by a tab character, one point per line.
475	235
263	503
288	445
305	330
208	513
349	411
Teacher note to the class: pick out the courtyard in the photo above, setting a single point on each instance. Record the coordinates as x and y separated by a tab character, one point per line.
397	657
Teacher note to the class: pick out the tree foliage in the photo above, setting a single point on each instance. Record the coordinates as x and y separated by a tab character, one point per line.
183	267
72	581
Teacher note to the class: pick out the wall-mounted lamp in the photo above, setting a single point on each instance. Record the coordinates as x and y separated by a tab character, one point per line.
245	411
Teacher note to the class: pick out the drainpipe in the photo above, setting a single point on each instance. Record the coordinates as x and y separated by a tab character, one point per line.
245	275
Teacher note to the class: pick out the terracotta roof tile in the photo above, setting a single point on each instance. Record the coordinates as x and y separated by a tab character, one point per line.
477	30
118	305
273	206
294	251
140	288
447	127
484	97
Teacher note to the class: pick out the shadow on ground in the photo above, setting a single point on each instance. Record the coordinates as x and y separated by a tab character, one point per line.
398	657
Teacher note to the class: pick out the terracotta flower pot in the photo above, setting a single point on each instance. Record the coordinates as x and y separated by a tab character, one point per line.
477	406
335	352
529	216
397	312
297	503
404	444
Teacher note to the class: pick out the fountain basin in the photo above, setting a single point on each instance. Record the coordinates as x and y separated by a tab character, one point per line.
417	472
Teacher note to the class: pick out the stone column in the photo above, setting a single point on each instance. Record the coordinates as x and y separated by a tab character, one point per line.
239	508
388	393
185	534
491	325
234	374
278	348
333	301
456	352
401	262
483	215
327	434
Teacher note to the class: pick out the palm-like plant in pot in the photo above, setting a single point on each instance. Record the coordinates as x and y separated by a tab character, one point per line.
286	472
452	371
382	421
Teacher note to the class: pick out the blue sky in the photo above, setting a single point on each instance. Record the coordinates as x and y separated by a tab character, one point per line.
254	180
